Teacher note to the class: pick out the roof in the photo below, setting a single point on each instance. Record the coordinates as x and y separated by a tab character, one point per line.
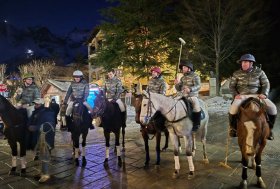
62	85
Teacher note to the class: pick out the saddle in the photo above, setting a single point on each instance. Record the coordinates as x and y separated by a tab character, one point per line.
190	109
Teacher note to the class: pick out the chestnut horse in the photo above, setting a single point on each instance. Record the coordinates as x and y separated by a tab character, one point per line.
154	129
252	132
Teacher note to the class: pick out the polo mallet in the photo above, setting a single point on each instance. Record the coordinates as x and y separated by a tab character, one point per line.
224	164
177	66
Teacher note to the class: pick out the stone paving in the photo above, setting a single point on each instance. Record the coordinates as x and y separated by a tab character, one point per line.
65	175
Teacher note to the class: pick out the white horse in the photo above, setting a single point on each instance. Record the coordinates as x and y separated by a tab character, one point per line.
178	124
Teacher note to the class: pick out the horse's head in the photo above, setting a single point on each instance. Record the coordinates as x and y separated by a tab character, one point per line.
77	112
99	104
137	106
147	110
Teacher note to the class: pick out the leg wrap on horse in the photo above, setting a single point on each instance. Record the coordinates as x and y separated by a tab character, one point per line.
271	121
233	124
83	151
77	152
177	162
14	161
118	150
23	162
107	152
190	161
196	120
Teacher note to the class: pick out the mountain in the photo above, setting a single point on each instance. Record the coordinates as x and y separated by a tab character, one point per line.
19	46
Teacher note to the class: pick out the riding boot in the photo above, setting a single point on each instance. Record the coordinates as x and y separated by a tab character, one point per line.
232	124
196	121
271	121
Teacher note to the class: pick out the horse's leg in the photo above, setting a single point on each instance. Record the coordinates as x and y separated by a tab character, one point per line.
203	141
147	150
174	138
193	143
117	142
188	146
166	133
107	144
258	160
123	137
179	145
13	146
75	138
23	157
243	183
158	137
84	137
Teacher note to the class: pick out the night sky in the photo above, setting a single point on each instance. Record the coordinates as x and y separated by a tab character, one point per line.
60	16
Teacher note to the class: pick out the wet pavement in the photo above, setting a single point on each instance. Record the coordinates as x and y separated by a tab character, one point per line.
65	175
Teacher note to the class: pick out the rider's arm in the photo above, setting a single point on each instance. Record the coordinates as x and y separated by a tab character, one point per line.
265	85
69	92
196	84
86	92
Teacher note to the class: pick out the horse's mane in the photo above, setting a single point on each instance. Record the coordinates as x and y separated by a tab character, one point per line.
6	103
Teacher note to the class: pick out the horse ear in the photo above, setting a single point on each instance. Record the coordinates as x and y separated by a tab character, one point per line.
145	93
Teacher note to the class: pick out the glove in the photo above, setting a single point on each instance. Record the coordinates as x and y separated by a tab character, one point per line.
19	90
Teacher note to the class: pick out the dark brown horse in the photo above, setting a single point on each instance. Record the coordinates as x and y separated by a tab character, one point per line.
14	130
79	126
155	128
252	131
112	120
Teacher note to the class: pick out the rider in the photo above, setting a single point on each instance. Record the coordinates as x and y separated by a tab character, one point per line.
250	80
113	89
79	89
27	93
189	86
41	121
156	84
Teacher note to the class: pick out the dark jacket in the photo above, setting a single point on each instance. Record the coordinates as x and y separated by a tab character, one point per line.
41	117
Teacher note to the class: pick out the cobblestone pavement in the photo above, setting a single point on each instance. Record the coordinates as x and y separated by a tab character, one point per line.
65	175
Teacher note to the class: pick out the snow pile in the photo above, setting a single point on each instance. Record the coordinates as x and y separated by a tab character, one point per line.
218	105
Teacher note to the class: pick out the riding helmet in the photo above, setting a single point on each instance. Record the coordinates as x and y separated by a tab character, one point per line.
156	69
78	73
247	57
186	63
27	75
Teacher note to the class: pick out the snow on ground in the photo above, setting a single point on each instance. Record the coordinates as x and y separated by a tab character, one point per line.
218	105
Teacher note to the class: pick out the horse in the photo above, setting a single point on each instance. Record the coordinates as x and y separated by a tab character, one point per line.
179	124
112	120
15	121
154	129
79	125
252	133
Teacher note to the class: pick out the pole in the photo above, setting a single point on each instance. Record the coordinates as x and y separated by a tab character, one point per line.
181	47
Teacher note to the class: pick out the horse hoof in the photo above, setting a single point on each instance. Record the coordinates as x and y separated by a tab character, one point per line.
77	162
44	178
105	163
191	175
12	171
260	183
157	166
123	149
243	184
119	161
176	174
84	162
23	172
36	157
164	149
205	161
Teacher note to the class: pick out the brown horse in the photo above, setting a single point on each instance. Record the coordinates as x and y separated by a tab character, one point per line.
155	128
252	132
